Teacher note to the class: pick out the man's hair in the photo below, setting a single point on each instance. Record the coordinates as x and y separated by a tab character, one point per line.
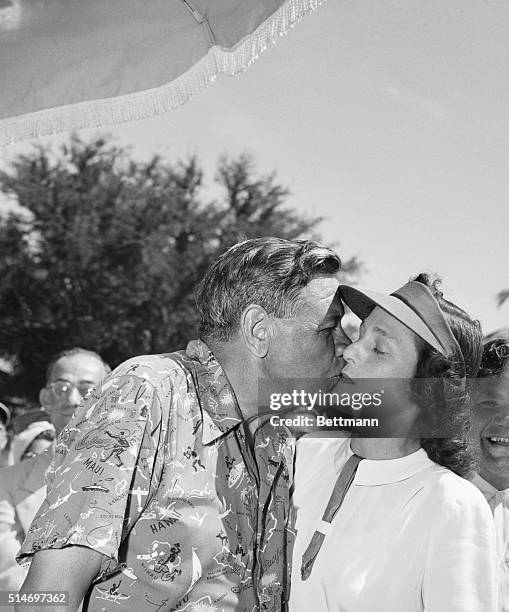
76	350
449	403
494	355
270	272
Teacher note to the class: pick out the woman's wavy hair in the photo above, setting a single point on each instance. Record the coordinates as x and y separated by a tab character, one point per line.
447	406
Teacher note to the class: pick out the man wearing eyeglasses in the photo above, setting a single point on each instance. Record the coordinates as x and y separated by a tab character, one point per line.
70	375
491	435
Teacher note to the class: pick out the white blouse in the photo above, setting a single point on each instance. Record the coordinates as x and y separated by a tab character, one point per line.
410	536
499	504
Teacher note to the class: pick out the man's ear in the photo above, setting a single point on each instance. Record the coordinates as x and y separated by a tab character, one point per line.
256	329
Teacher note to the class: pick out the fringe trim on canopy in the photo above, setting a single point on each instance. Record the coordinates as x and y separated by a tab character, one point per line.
152	102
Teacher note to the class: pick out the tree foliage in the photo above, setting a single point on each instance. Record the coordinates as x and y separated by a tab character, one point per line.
105	251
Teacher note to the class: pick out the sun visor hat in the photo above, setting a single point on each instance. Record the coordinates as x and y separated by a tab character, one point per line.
413	305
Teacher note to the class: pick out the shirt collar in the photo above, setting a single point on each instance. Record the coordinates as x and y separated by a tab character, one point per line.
487	489
220	409
372	472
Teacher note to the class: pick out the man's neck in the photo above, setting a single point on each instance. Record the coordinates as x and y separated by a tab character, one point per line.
384	448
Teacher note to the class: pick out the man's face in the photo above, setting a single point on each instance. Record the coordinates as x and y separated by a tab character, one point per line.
310	344
491	427
70	380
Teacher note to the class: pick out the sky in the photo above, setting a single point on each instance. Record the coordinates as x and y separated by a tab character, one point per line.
390	120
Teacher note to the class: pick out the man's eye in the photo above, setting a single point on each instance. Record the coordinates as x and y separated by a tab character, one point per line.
378	351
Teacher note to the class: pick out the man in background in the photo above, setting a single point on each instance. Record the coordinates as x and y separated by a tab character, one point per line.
70	375
491	435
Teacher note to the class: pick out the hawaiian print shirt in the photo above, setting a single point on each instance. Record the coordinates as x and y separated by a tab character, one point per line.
155	472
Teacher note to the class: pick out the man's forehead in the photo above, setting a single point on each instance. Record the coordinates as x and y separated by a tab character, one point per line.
81	365
321	290
322	301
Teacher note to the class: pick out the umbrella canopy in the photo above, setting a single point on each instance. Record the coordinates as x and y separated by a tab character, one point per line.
68	64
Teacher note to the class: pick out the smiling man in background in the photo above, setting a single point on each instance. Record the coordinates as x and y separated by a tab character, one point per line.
491	435
69	377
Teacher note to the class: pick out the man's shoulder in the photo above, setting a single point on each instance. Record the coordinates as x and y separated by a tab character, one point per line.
155	369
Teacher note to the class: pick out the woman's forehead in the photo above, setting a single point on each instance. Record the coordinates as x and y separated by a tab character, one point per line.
384	324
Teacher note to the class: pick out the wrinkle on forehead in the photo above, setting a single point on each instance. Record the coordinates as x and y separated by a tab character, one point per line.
80	366
320	295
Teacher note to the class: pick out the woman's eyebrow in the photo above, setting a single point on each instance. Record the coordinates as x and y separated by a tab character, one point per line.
383	332
380	331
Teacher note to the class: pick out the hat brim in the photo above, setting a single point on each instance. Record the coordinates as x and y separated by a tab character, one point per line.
362	302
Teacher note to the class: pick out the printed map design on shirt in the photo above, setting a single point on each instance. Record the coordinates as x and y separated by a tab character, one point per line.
155	472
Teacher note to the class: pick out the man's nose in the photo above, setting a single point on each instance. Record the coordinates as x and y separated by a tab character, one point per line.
341	342
75	397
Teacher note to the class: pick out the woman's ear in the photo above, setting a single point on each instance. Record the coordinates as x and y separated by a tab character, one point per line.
256	329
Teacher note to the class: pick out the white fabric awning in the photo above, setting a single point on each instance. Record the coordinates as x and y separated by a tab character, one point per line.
70	64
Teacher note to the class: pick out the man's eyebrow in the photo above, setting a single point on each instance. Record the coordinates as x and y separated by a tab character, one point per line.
329	319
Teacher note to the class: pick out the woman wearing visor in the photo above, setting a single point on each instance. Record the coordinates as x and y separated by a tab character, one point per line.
390	524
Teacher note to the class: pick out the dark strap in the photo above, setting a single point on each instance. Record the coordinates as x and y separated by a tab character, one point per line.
341	487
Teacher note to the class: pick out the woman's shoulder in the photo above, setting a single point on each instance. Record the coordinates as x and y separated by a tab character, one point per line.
454	494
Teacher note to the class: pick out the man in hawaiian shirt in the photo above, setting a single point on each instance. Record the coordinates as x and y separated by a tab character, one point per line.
194	513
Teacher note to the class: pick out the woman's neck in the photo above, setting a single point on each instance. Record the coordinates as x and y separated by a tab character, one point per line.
384	448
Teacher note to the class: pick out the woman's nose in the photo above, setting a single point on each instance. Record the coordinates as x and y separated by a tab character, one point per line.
350	353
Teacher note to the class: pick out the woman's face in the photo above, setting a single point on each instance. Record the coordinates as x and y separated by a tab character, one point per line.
385	349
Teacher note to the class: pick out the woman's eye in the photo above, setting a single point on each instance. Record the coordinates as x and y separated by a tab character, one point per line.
378	351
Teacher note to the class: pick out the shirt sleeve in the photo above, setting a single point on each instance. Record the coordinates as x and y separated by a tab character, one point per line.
103	473
460	570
